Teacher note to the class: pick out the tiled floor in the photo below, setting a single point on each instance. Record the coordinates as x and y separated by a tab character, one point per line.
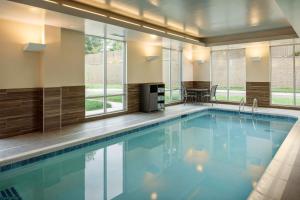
280	181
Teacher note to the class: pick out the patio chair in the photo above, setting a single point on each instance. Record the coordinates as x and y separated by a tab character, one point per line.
192	96
212	95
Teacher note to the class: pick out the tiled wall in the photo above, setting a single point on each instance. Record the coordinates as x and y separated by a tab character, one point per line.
20	111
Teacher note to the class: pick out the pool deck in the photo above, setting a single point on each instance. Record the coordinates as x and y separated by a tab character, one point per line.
281	179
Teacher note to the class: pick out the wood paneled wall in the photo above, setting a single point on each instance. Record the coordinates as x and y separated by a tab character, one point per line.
260	91
133	97
63	106
202	84
51	108
197	84
40	109
20	111
188	84
73	105
28	110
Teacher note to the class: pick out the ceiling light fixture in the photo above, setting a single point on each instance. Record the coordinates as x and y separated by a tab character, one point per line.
173	34
125	21
191	39
50	1
154	29
84	10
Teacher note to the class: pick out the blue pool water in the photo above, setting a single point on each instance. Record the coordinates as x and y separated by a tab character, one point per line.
207	155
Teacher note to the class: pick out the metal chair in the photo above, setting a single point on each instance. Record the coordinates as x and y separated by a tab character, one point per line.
188	95
212	94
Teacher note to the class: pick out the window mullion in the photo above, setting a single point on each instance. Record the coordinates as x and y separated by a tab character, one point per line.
105	71
294	75
227	58
170	73
181	74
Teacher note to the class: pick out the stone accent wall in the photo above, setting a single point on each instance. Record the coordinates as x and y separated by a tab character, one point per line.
20	111
260	91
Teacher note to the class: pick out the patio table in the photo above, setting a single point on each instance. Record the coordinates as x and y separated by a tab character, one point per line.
199	92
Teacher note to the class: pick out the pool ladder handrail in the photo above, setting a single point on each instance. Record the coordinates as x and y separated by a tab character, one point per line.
254	105
242	104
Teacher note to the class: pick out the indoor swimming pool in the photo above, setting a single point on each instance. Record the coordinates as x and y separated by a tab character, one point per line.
212	154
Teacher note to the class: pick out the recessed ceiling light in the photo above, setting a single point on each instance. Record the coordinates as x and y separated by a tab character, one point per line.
84	10
125	21
177	35
50	1
154	29
191	39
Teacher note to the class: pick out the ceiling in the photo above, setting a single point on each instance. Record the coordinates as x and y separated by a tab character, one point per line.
211	21
203	18
38	16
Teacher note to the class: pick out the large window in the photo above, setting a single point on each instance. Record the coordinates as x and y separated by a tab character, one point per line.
285	86
228	71
104	75
172	71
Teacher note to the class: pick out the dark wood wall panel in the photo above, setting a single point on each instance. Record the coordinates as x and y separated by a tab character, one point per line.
20	111
133	97
73	105
260	91
188	84
51	108
201	84
197	84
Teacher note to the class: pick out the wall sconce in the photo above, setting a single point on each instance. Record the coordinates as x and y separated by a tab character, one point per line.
34	47
256	58
151	58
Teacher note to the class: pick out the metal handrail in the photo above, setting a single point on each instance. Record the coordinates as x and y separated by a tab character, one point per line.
242	103
254	105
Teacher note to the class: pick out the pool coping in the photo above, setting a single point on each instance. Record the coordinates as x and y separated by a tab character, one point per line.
272	174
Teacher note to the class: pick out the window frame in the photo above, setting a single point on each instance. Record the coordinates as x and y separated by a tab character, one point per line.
105	96
180	51
294	44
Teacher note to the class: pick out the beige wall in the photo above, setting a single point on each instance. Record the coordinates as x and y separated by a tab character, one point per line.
138	69
201	69
187	64
62	62
258	70
18	69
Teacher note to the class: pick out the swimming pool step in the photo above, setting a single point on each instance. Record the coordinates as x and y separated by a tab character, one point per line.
9	194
